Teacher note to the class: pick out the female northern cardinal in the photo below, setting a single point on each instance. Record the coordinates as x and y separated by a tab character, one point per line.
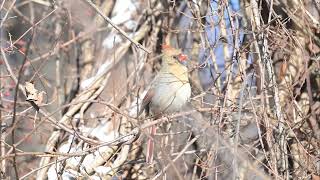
169	92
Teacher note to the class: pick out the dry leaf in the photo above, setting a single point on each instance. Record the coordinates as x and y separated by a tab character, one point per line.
31	92
33	95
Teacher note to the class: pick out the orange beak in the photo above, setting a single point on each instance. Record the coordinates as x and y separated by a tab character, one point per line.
183	57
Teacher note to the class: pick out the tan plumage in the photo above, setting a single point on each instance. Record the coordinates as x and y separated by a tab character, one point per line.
169	92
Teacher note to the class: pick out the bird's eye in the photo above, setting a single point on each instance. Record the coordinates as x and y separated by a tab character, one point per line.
176	57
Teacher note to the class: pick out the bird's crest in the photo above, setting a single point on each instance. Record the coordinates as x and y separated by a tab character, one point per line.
166	47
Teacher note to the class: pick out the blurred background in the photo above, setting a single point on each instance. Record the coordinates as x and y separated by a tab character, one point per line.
73	73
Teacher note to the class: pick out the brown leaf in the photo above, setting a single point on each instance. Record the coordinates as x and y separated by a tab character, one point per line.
33	95
31	92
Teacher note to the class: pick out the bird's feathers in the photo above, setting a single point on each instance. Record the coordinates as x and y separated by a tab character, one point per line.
169	92
146	102
171	88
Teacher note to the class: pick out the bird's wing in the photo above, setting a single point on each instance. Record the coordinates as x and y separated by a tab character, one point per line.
146	102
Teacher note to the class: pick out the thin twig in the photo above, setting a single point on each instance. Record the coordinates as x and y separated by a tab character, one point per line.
116	27
163	170
13	125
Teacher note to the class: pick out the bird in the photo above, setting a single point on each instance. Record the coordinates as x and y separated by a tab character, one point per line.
168	93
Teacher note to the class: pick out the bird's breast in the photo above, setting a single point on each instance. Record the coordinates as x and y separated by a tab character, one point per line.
171	94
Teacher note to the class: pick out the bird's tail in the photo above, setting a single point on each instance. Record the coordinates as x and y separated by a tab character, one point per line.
150	145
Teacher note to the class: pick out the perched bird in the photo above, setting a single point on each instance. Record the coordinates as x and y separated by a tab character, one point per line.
169	92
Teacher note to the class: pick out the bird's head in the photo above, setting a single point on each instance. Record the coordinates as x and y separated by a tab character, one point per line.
173	56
